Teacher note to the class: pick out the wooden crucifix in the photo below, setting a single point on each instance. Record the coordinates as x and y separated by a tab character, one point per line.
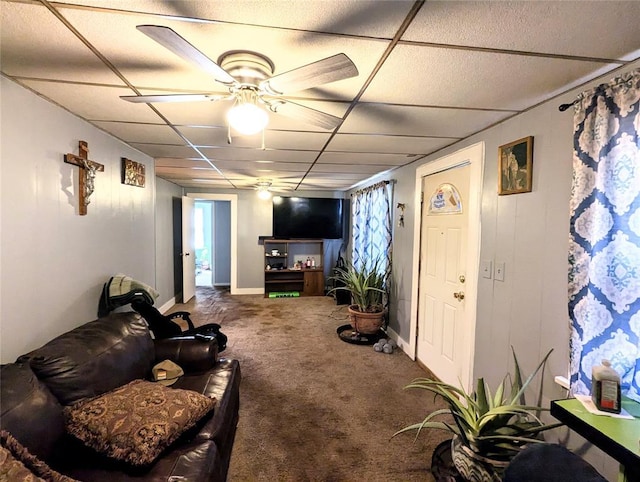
87	174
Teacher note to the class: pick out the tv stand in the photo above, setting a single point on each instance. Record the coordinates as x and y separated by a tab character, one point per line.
280	274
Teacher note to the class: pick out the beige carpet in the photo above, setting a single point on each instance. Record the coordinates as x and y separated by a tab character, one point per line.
314	408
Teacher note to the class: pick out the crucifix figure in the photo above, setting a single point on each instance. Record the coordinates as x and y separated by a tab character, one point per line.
87	174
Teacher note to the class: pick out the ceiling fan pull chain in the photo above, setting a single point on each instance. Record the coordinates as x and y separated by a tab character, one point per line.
228	133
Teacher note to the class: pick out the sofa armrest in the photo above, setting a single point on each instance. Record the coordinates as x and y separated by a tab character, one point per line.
193	353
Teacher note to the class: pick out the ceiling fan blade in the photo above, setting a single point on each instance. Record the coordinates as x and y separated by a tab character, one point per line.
151	99
331	69
183	49
306	114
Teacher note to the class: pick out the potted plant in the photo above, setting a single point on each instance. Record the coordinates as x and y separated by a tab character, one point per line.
488	429
367	287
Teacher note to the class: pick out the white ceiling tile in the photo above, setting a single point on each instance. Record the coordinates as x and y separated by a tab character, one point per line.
180	162
416	121
242	154
209	173
582	28
387	144
459	78
35	44
370	158
358	169
142	133
94	102
165	150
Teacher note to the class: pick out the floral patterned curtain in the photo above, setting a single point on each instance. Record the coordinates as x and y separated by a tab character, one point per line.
371	224
604	251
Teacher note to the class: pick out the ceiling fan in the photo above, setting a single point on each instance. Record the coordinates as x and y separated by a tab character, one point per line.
251	83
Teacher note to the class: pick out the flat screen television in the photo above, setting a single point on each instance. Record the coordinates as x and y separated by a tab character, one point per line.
307	218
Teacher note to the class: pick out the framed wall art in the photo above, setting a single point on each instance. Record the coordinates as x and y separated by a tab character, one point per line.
133	173
515	166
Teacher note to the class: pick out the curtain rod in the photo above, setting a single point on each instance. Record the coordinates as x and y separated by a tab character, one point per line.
564	107
625	77
373	186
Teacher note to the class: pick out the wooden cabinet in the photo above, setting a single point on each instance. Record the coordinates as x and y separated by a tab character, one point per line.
313	282
281	275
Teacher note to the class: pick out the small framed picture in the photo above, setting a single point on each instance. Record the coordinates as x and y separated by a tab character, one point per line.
515	166
133	173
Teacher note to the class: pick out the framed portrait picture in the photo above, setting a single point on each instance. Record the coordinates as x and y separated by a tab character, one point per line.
515	166
133	173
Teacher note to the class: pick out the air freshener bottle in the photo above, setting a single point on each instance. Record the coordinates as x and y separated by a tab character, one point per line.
605	387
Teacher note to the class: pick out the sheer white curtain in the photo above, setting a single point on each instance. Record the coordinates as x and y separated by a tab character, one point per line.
371	225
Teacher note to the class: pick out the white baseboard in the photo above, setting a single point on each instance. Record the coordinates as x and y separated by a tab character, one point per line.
248	291
402	343
167	305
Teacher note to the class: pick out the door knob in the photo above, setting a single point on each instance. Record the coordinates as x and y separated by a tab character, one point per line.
459	295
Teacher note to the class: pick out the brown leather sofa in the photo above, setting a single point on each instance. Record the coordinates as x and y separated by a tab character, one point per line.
105	354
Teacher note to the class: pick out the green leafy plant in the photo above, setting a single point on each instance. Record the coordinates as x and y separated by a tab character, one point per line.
493	425
366	285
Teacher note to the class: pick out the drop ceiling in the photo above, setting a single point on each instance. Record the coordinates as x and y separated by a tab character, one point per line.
429	74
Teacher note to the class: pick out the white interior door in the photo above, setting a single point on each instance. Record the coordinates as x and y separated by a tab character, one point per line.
441	344
188	249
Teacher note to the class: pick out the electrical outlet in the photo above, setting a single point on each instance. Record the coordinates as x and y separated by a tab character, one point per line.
498	273
486	268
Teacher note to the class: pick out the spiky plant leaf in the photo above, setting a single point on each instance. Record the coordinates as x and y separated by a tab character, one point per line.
495	425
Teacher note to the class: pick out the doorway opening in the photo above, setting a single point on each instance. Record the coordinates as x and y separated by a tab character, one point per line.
224	257
212	231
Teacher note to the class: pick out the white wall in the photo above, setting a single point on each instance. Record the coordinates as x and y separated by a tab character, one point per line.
53	262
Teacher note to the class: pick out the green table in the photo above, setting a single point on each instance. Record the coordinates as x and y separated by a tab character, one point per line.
620	438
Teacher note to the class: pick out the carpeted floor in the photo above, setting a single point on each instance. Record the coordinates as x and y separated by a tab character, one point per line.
314	408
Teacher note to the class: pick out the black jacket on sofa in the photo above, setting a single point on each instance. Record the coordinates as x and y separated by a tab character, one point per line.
94	359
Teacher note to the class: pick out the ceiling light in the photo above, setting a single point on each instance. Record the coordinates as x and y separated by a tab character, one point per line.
264	194
245	116
263	190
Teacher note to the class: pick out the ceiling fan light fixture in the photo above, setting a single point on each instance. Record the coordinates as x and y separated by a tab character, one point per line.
245	116
263	190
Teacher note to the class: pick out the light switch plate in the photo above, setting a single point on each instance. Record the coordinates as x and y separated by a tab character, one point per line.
486	268
498	273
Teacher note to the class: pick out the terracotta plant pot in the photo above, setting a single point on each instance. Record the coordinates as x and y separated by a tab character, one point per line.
366	323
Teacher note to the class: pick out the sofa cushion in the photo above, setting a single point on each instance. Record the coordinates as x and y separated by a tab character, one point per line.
196	461
17	464
94	358
223	384
29	411
136	422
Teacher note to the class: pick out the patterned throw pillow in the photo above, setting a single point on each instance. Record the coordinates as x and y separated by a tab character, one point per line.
136	422
18	465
